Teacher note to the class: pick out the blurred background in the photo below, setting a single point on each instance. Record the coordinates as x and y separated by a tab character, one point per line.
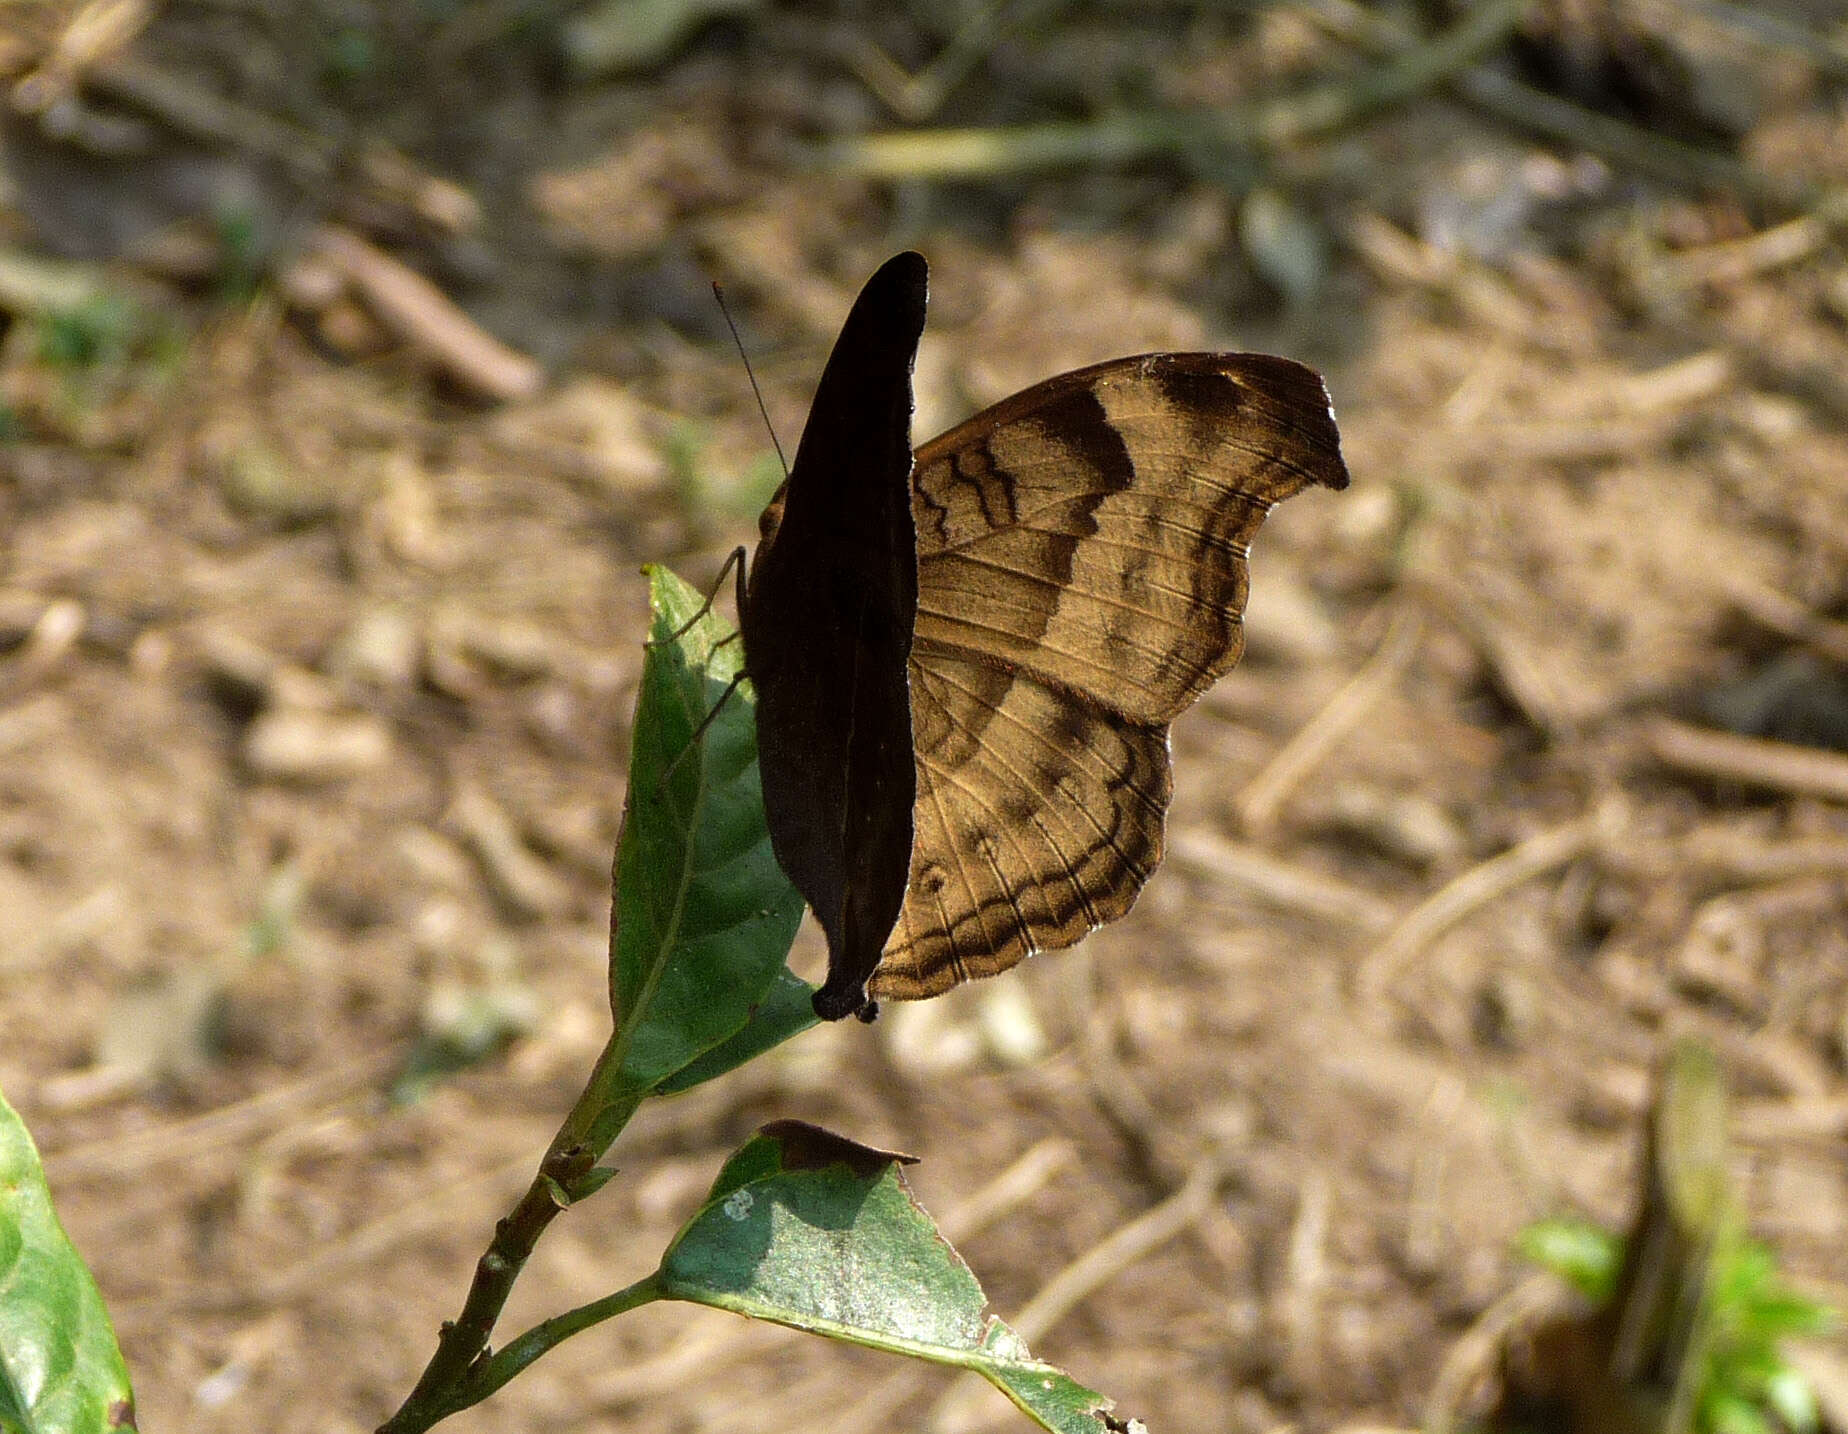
356	354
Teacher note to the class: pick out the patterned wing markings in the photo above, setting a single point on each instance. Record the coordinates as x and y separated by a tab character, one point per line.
1081	580
1093	529
1031	809
966	659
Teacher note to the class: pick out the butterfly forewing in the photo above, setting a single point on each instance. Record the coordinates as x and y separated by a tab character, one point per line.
1081	580
1094	528
828	618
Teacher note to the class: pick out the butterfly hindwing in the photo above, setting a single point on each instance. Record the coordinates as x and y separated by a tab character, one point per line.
1038	819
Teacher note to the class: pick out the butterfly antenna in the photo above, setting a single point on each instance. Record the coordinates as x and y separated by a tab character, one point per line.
718	292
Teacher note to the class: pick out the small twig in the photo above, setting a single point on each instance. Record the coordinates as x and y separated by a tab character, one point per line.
1412	71
1755	761
1124	1247
1472	890
1281	883
973	153
187	1140
1127	1107
528	887
1424	1242
875	1411
1479	291
1009	1190
1477	1354
917	95
1767	1122
1536	690
1508	99
1305	1280
1736	260
1730	856
1266	793
1128	138
1768	28
99	30
711	1345
1771	608
211	118
1669	160
389	176
1695	380
313	1274
1552	441
1080	1279
427	319
30	284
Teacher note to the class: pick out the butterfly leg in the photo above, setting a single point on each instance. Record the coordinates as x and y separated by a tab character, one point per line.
698	732
733	563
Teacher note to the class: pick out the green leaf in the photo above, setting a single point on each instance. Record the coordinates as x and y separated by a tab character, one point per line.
1779	1313
1584	1255
60	1370
814	1231
1722	1412
785	1011
1789	1395
704	916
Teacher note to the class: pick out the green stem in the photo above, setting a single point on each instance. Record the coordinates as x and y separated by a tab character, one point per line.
492	1371
461	1346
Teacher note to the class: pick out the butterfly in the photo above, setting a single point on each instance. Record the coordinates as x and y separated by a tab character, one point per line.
966	659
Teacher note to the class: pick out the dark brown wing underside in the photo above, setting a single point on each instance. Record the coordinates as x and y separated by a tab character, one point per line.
827	619
1081	580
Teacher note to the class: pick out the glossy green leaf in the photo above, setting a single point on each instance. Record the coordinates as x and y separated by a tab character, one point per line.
786	1010
704	916
1584	1255
819	1233
60	1370
1723	1412
1789	1395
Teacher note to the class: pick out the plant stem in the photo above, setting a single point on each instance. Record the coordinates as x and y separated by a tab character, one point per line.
448	1381
491	1372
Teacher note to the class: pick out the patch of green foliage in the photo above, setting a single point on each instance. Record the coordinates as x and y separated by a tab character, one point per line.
101	330
1745	1386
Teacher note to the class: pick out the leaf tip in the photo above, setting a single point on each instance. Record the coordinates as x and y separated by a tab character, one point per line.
809	1147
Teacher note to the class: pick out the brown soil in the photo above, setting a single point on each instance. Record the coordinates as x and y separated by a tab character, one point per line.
315	670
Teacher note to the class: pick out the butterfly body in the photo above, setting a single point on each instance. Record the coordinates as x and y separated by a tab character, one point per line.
1076	565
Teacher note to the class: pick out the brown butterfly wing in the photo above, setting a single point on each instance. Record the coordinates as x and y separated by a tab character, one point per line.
1081	580
827	619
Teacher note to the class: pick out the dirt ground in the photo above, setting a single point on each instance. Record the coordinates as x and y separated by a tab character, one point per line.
320	615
